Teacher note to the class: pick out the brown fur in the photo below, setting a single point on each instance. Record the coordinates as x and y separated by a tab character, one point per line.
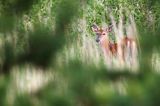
111	47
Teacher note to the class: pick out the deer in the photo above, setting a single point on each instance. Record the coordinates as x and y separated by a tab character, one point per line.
103	39
109	48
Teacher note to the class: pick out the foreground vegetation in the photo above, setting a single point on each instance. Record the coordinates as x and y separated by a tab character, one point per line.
56	37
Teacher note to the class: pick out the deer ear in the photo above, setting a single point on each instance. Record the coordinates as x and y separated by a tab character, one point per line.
95	28
109	29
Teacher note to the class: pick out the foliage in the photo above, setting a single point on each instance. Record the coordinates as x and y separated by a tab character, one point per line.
35	31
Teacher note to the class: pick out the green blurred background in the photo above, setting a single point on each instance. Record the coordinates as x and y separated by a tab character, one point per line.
48	39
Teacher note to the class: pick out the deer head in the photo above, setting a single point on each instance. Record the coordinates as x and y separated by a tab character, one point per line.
100	31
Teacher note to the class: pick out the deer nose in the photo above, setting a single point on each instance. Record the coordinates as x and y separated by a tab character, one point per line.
97	40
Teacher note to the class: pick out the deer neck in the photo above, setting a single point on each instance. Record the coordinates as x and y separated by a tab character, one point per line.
104	41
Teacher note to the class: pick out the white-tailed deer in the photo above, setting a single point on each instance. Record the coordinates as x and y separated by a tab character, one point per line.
110	48
103	39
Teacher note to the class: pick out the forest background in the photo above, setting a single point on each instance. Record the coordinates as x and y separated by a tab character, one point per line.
53	39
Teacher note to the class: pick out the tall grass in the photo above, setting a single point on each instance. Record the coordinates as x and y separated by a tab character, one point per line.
85	48
79	74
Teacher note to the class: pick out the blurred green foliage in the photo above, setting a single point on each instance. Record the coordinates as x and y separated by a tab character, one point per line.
82	85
